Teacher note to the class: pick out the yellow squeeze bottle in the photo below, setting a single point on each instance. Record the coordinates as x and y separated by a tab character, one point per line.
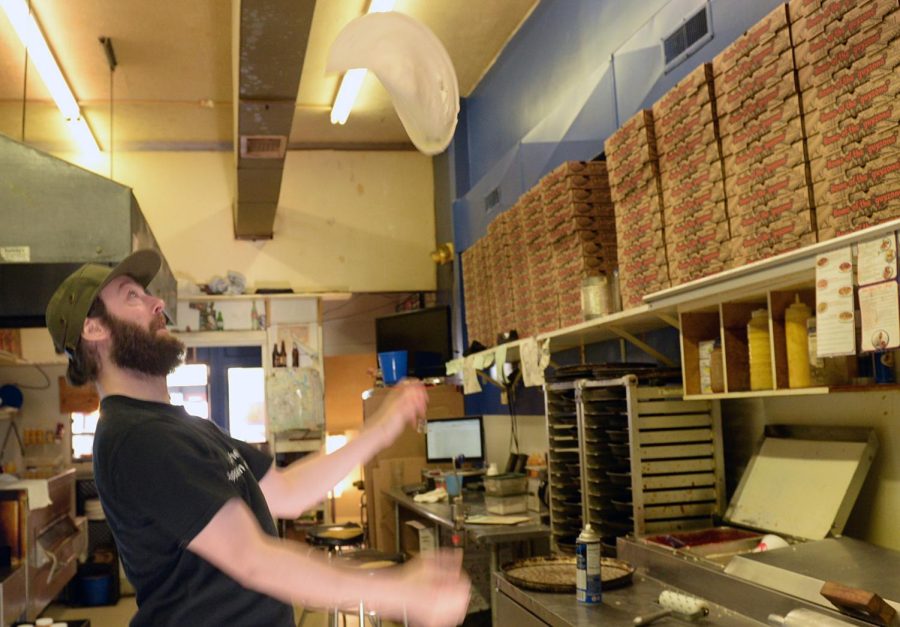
797	340
760	351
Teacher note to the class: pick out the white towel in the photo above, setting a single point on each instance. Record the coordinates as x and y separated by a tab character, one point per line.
438	494
38	490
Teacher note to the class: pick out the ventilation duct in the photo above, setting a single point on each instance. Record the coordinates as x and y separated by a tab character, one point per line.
272	37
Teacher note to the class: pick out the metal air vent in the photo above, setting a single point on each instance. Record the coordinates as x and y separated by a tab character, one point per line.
693	32
263	146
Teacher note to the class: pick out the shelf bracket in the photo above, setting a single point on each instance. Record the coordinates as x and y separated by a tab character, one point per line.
643	346
670	320
489	379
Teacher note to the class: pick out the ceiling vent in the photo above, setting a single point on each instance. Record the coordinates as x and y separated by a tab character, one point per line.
263	146
685	40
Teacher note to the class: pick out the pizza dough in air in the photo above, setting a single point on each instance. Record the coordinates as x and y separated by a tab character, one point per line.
413	66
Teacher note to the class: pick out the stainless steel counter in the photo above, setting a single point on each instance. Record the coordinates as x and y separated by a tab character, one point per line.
619	607
491	536
706	579
439	513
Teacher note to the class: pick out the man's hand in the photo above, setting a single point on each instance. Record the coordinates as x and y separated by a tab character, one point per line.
436	589
404	407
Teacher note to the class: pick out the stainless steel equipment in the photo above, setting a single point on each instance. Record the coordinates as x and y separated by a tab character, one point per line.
801	484
651	461
57	216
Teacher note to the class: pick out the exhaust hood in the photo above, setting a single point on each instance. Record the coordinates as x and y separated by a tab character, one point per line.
55	217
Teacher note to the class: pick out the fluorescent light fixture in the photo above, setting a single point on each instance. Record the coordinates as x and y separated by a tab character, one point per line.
82	134
27	29
353	79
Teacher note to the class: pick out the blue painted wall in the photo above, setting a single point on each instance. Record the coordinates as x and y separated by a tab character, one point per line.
574	71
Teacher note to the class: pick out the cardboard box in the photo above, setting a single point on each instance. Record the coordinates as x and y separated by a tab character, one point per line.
875	50
732	119
700	125
775	195
833	35
759	178
837	220
772	122
873	133
770	147
874	154
706	206
760	67
640	123
772	26
418	538
742	254
810	18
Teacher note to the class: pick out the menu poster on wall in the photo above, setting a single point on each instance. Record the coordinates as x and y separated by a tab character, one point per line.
835	320
877	260
880	314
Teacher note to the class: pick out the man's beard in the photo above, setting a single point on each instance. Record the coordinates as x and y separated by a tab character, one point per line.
136	348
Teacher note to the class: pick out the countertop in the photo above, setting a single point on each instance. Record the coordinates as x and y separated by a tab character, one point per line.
439	513
619	607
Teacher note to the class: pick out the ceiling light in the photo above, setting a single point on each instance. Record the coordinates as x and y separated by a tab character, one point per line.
353	79
39	52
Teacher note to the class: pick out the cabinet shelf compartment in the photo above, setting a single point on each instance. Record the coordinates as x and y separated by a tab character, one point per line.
779	302
696	327
735	343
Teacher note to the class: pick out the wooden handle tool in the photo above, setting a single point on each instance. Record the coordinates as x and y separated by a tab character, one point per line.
859	603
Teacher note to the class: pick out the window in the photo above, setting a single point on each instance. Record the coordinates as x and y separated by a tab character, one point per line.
247	404
83	428
228	388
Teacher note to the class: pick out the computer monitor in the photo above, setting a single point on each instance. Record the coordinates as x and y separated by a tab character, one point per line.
448	438
423	333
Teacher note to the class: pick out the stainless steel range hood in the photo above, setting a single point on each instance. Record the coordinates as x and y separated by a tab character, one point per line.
55	217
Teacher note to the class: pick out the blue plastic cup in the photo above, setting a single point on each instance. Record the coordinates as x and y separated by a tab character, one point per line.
454	483
393	366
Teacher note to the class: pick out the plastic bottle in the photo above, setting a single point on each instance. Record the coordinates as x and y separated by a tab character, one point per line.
797	341
254	317
760	351
587	565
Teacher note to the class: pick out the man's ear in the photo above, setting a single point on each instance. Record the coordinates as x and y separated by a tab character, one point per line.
94	330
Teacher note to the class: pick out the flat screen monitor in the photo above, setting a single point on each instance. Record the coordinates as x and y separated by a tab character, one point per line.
448	438
423	333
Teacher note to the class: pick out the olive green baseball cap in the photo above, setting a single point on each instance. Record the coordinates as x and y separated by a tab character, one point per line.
72	300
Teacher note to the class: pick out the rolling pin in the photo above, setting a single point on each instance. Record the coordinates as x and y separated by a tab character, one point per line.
678	603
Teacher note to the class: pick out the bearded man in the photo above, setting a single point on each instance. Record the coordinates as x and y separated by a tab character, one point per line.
191	509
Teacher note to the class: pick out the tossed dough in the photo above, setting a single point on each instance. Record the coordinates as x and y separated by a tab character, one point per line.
414	67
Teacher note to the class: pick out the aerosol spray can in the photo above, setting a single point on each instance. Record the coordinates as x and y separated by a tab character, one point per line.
587	564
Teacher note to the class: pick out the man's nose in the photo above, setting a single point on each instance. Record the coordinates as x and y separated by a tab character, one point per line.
157	305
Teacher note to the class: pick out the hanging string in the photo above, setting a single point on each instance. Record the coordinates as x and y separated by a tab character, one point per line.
111	142
106	42
25	83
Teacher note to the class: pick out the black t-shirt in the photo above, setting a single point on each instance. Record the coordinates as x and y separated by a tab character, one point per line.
162	475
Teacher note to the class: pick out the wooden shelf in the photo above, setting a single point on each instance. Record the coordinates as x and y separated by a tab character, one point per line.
8	361
202	298
760	394
222	338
